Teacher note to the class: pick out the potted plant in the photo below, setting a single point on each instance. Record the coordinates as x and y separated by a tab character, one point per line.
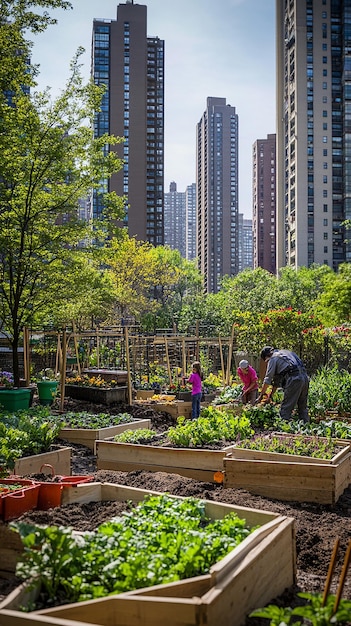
12	398
47	386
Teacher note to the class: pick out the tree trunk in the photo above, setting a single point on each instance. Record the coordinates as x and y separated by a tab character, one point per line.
15	358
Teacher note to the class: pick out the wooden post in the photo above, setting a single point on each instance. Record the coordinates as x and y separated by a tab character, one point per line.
168	363
222	359
130	394
76	346
184	356
58	361
230	355
63	369
197	341
97	349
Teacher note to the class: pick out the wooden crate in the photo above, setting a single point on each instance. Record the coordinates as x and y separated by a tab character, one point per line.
88	436
60	460
289	477
251	575
127	457
144	394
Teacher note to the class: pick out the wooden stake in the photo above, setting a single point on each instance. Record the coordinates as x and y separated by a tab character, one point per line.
222	359
330	571
168	362
63	369
342	577
130	393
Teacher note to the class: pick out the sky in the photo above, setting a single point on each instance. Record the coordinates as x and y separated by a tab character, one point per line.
223	48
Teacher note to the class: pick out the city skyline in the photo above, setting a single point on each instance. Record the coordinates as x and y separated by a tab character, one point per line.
236	52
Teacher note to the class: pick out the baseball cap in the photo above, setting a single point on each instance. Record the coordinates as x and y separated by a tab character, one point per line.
243	364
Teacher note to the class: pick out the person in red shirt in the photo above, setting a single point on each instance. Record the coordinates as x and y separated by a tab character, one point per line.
195	379
249	378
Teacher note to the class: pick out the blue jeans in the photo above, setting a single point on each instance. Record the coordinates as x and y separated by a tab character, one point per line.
195	405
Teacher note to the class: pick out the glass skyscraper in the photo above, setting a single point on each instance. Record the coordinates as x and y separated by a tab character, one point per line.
131	67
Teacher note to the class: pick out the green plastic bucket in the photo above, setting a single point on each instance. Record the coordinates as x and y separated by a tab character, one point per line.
47	390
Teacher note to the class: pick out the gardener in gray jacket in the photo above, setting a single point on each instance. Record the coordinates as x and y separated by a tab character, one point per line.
285	369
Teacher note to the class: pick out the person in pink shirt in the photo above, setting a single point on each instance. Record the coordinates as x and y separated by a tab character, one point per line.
248	377
195	379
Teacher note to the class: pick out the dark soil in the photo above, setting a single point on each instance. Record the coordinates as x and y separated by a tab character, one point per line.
317	526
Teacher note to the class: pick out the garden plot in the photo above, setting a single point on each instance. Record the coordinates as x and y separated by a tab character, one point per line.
252	574
287	476
88	429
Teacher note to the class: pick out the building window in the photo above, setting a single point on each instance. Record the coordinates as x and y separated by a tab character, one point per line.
325	208
325	249
325	179
325	85
325	222
325	235
325	193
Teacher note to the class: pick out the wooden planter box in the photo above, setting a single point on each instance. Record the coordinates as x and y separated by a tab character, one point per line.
289	477
88	436
107	396
59	459
120	376
175	409
251	575
127	457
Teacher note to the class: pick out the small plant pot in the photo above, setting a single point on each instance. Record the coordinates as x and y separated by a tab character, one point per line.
50	495
184	395
47	390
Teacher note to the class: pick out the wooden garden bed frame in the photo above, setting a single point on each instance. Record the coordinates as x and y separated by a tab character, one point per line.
275	475
59	459
289	477
88	436
251	575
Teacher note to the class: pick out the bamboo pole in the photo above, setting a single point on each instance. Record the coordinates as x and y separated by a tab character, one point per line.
342	577
97	348
58	361
330	571
63	369
130	394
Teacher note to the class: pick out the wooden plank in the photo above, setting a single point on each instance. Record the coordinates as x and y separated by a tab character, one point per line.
60	460
13	618
88	436
300	482
124	611
160	456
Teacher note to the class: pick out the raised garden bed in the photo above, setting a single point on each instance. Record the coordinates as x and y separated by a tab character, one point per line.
99	395
287	476
126	457
251	575
88	436
59	459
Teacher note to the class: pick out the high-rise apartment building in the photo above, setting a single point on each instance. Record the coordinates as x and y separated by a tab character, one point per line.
245	243
313	131
190	227
174	219
217	192
131	67
264	203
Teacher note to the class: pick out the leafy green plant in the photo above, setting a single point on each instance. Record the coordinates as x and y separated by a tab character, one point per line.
163	539
84	419
229	394
330	390
314	612
140	435
300	445
28	432
213	426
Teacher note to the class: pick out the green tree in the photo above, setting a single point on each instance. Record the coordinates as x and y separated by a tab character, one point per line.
334	303
49	160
